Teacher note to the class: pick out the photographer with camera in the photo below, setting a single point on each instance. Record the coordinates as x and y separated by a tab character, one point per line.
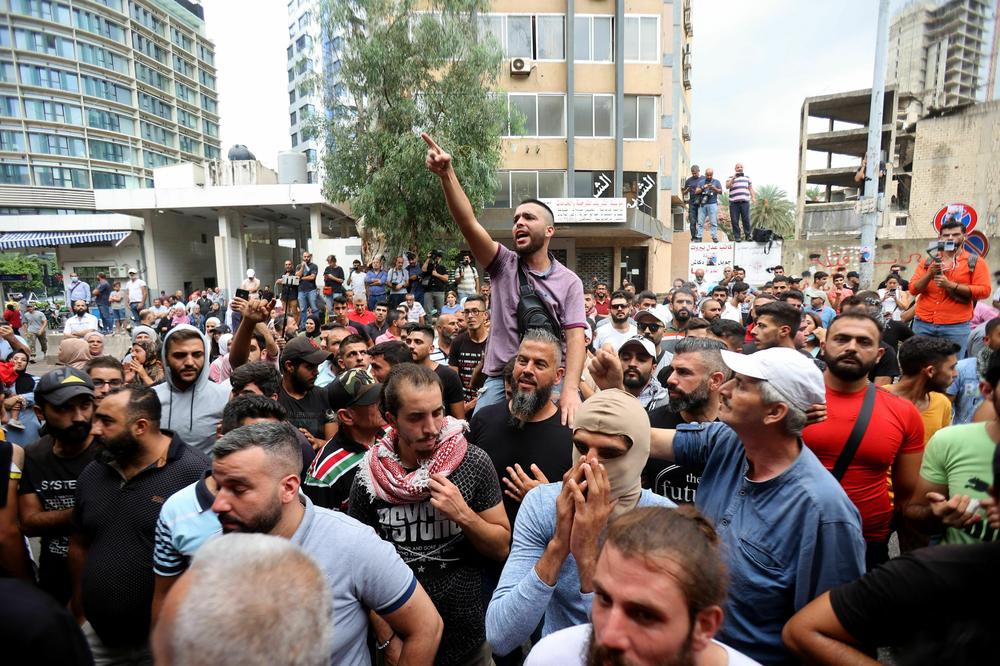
708	204
435	281
690	185
741	194
947	286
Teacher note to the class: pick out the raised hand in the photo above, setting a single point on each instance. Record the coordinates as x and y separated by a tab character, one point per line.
257	311
590	516
606	368
438	161
519	483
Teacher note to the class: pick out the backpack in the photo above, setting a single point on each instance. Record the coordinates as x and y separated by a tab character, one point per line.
532	311
765	236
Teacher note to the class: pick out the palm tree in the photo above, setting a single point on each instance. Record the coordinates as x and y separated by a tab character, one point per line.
773	210
815	194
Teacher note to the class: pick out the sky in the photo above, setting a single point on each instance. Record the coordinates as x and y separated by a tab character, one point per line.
753	64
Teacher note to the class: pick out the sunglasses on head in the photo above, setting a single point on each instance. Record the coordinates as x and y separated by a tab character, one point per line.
648	326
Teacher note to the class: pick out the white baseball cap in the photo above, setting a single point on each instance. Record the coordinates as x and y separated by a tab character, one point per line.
790	372
646	345
653	312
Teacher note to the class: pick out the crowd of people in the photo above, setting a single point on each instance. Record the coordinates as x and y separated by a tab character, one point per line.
531	470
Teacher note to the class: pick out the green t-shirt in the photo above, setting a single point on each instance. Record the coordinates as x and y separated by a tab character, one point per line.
961	457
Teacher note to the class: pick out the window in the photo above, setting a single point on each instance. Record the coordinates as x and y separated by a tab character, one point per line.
211	152
181	39
186	119
639	188
51	176
304	20
293	119
516	186
4	32
38	42
303	42
311	156
206	54
295	139
55	112
291	96
11	141
152	77
640	117
290	53
156	106
7	74
641	38
99	25
156	133
104	180
10	107
148	47
189	145
111	4
306	111
538	115
43	9
291	74
185	93
542	37
107	90
14	174
49	77
146	18
206	79
57	144
211	129
594	39
182	66
109	120
594	115
152	159
209	104
597	184
110	152
101	57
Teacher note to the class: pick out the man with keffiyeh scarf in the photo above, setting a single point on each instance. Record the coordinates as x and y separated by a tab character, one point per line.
437	499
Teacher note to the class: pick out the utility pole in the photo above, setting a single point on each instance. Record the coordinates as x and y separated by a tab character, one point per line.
870	202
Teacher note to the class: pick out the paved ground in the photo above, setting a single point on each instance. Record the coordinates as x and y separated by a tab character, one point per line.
114	345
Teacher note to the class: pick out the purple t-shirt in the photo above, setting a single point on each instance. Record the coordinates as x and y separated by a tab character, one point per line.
560	288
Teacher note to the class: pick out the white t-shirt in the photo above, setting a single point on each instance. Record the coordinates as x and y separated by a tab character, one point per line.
732	313
356	281
609	334
568	647
77	324
416	312
135	288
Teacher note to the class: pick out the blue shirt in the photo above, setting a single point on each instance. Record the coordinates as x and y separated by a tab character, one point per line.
416	288
713	196
691	183
186	522
521	599
375	289
965	388
826	314
786	540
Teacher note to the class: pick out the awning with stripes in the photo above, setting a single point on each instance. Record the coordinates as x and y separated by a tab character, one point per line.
18	239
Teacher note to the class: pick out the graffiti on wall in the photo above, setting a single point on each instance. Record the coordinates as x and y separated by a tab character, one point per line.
835	256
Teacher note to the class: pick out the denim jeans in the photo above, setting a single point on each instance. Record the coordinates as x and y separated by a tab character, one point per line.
307	299
492	393
135	307
693	222
957	333
737	210
107	323
711	211
375	298
433	300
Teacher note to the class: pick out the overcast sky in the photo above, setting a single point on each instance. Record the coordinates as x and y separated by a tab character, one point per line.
754	62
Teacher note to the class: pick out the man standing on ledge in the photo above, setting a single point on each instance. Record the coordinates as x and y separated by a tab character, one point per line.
556	285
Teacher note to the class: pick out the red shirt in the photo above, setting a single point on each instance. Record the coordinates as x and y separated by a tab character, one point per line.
896	427
604	308
12	317
367	317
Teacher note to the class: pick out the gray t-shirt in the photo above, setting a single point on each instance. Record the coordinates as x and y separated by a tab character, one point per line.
364	573
33	321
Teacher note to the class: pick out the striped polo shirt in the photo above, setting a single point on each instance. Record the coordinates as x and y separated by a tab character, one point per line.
186	522
739	189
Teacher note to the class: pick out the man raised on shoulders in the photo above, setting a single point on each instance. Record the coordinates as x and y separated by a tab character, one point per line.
557	286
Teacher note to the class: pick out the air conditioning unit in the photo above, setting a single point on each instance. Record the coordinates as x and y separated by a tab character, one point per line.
521	66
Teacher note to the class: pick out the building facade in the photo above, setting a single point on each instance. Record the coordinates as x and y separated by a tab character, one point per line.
602	91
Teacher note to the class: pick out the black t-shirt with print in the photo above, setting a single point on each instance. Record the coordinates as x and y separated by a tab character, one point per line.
452	387
465	355
666	478
442	558
53	479
548	444
311	412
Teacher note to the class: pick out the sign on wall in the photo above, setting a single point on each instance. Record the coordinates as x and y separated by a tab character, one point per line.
711	257
587	210
756	258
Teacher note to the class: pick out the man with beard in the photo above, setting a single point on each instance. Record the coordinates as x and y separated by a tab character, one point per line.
81	323
419	341
619	327
523	436
681	310
660	584
118	500
638	357
602	303
445	328
548	577
776	325
307	404
893	333
256	468
711	309
771	499
469	347
928	366
651	324
697	374
432	495
64	402
192	403
892	434
558	288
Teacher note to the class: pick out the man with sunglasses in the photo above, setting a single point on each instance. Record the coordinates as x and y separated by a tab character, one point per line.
620	328
651	325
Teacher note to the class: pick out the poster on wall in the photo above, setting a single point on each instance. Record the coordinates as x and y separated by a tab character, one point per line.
711	257
756	258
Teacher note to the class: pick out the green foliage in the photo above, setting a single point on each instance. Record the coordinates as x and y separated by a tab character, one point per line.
815	194
773	210
13	262
404	71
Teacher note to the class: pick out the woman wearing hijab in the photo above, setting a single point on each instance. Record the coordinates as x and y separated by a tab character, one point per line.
74	352
95	341
144	367
547	576
311	328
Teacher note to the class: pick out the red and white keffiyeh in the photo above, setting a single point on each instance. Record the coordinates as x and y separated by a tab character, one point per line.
385	477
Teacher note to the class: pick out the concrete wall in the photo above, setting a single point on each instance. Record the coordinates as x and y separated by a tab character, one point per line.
957	159
799	255
119	259
180	253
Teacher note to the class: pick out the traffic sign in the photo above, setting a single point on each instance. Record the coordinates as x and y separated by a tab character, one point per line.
15	277
964	213
978	243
